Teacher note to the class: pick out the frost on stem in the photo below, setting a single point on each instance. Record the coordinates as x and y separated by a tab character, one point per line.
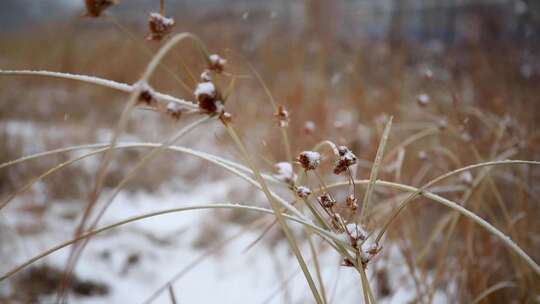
94	8
302	191
282	116
285	172
216	63
345	160
309	160
209	98
147	95
159	26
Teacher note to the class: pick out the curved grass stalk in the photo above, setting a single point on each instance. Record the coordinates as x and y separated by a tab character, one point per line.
145	159
492	289
271	200
285	137
133	145
455	206
327	236
231	166
410	140
374	171
106	159
101	82
201	258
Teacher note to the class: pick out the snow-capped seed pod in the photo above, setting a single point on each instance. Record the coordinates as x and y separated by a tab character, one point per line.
347	263
326	201
423	99
206	76
309	160
216	63
356	232
345	160
159	26
428	74
466	177
283	116
225	117
422	155
209	98
443	124
146	95
368	252
352	202
174	110
302	191
285	172
309	127
94	8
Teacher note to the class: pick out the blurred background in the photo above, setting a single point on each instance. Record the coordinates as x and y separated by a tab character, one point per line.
467	70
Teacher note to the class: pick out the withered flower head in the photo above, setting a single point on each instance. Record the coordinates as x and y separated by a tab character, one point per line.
346	159
225	117
302	191
309	127
209	98
309	160
160	26
147	96
216	63
174	110
422	99
326	200
283	116
206	76
285	172
352	202
94	8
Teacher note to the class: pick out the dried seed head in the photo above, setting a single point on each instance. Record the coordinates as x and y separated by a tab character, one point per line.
347	263
346	159
466	177
94	8
206	76
352	202
309	127
443	124
209	98
302	191
216	63
422	155
174	110
326	201
368	252
422	99
309	160
225	117
283	116
160	26
285	172
356	232
428	73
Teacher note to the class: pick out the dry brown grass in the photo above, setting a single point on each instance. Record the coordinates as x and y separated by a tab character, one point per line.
488	109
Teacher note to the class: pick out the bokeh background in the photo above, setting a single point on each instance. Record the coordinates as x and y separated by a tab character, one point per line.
469	71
